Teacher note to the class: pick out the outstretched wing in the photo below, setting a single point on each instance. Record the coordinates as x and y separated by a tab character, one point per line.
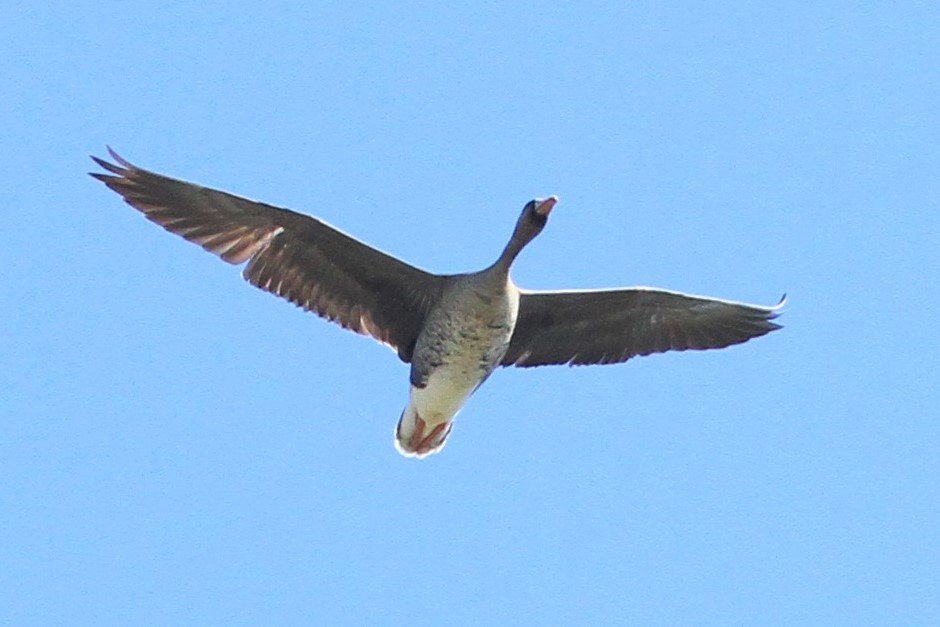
295	256
611	326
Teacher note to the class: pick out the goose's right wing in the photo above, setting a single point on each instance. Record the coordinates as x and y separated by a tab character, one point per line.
291	255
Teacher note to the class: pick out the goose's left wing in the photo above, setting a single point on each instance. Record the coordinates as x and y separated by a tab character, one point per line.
611	326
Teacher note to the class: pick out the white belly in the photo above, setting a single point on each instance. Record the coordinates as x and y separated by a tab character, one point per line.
446	391
435	404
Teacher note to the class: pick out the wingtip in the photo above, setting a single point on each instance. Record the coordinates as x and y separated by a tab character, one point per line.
774	312
114	155
118	158
121	166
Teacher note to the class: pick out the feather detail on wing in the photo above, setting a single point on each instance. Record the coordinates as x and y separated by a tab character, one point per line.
295	256
611	326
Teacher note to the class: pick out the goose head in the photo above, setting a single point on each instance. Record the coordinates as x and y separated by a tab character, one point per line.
531	221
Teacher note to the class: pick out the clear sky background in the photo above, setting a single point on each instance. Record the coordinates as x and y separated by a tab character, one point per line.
181	448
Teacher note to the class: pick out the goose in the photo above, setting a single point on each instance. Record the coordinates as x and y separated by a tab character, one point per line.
454	330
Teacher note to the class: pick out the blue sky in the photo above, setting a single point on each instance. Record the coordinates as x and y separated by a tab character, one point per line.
180	448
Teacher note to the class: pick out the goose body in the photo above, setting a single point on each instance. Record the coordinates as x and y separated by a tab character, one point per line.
463	342
454	330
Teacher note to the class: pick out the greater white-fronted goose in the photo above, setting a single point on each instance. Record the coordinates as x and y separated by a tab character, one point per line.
454	330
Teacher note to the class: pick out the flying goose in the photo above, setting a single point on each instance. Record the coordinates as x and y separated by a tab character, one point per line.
455	329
